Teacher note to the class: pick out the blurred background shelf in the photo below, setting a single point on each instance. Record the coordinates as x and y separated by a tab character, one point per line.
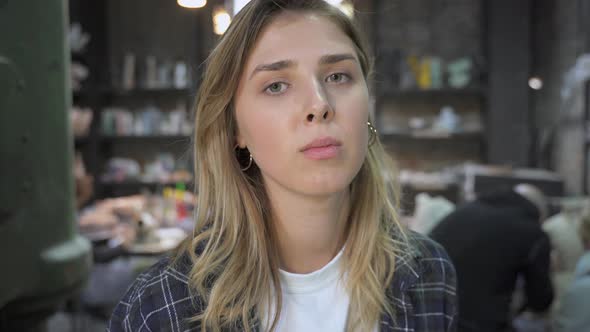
80	140
146	138
137	92
478	92
427	136
140	183
133	187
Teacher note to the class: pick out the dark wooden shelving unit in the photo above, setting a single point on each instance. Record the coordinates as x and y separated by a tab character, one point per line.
393	43
130	187
103	20
146	138
431	136
81	140
476	92
395	107
136	92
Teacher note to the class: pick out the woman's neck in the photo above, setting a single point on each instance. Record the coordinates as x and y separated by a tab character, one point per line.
310	230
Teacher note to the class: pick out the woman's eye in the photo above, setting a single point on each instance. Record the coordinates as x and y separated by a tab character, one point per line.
276	88
338	78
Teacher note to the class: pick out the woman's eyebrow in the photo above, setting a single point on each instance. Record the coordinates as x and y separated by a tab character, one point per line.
275	66
283	64
334	58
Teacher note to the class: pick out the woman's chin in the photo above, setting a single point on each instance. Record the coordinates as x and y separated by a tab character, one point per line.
324	186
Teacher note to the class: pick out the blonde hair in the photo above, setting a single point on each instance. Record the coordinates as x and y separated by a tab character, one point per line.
235	267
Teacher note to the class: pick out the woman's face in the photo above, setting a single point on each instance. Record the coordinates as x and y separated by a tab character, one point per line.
302	106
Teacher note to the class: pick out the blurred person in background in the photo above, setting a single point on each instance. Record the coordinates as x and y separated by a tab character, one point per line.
573	314
567	247
493	241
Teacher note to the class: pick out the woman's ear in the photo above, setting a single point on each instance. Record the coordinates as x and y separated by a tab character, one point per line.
240	141
239	137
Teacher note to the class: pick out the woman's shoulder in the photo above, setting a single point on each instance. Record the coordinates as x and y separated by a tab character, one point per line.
425	249
430	260
426	276
159	300
423	255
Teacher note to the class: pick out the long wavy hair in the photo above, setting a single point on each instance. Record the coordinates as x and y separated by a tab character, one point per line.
233	253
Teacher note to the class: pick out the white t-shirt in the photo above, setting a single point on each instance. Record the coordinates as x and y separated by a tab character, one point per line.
316	301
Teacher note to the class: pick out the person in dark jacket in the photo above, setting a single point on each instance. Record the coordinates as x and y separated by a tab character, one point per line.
493	241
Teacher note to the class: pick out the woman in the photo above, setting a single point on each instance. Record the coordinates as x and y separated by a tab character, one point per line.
297	227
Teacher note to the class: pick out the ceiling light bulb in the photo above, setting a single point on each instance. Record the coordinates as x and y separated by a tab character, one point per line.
221	21
535	83
192	3
238	5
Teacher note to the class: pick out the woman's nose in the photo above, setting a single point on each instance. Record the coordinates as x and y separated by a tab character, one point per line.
320	108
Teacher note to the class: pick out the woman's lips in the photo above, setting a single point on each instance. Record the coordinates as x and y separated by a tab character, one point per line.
322	148
324	152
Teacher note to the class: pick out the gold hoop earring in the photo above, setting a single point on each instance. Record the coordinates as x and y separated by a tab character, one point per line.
249	164
250	160
372	133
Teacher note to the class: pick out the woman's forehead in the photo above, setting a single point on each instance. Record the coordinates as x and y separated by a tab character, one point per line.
293	35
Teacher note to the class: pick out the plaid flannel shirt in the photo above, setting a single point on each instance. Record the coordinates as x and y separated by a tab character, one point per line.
423	295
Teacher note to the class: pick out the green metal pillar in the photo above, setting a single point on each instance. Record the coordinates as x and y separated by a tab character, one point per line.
42	258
